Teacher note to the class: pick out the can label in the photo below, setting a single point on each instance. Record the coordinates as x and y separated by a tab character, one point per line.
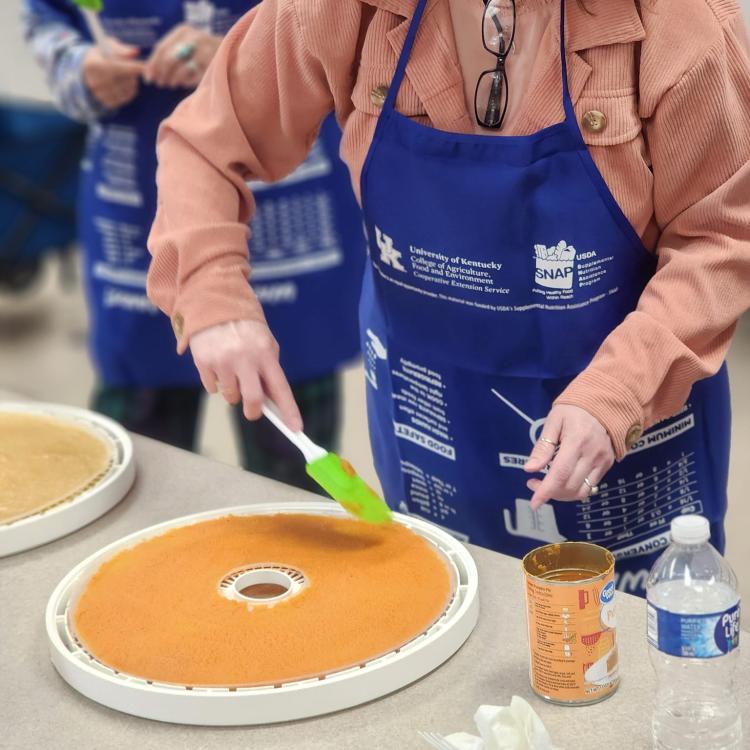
572	629
697	636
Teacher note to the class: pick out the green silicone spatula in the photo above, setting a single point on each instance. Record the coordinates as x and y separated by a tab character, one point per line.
335	475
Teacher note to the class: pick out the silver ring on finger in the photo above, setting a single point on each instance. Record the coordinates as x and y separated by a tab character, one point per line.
183	51
192	67
593	488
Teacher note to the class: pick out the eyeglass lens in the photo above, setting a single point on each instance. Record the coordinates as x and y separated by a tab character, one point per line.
498	26
492	97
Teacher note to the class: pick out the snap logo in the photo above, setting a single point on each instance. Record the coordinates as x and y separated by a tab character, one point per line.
555	265
388	253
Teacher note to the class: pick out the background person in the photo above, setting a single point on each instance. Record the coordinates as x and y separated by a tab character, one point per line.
308	247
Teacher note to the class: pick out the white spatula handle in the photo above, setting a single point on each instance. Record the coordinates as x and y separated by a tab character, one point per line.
97	31
310	450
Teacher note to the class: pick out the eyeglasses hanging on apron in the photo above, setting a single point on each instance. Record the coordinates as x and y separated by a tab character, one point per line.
498	266
498	34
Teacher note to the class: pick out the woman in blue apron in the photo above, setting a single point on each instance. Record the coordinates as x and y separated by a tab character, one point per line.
307	232
453	419
498	267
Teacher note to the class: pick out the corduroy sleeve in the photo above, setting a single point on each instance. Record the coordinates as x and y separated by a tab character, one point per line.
255	115
698	136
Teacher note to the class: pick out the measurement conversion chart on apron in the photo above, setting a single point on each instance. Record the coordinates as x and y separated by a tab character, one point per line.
307	252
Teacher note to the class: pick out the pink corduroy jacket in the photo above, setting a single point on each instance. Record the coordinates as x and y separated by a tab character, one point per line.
672	78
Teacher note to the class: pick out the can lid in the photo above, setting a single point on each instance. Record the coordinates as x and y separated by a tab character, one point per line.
690	529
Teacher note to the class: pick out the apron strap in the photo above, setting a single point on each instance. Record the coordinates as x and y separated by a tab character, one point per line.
398	76
570	114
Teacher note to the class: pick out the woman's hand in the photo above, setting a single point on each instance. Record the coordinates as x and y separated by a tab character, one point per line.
113	79
240	360
181	57
577	447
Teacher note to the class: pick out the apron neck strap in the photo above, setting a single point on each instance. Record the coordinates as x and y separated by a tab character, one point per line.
570	114
398	76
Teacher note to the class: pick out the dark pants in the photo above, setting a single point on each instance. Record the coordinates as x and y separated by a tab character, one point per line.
172	415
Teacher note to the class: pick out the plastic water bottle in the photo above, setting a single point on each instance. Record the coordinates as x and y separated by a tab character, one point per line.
693	635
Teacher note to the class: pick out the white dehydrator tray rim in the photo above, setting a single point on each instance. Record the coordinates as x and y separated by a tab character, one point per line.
220	706
73	514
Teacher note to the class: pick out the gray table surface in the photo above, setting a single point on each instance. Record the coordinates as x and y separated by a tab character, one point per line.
39	710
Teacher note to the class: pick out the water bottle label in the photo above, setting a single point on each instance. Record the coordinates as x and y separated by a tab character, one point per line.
701	636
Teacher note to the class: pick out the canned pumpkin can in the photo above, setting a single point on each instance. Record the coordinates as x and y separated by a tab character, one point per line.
570	601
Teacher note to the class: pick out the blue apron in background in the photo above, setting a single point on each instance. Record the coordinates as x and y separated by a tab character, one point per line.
307	254
498	265
307	232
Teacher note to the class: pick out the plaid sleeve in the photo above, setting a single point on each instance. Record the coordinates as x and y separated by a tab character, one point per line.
59	49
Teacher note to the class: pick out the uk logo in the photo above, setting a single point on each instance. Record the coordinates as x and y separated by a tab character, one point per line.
388	253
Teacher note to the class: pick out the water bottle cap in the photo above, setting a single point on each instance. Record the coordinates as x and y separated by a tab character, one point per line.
690	529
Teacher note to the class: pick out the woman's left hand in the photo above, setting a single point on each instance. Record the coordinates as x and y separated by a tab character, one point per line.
578	450
181	57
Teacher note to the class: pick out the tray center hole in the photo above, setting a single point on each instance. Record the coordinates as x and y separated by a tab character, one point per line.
263	585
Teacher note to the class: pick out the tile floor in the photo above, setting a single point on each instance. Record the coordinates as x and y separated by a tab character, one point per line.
43	349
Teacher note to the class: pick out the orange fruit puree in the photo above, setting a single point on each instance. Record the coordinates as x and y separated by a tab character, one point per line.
44	461
155	610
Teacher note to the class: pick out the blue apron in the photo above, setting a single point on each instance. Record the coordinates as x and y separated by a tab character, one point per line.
307	239
498	265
